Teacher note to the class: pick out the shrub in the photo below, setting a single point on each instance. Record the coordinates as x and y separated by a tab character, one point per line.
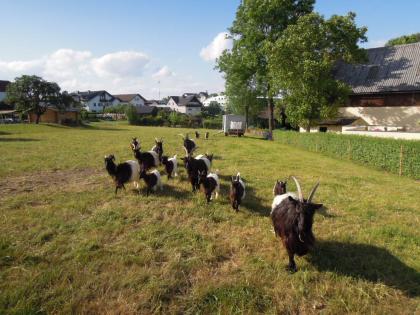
214	123
132	115
377	152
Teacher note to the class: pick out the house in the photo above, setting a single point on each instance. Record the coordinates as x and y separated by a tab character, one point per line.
385	90
220	98
186	104
3	86
95	101
134	99
147	110
54	115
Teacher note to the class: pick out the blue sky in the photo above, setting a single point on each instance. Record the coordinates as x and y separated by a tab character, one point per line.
130	46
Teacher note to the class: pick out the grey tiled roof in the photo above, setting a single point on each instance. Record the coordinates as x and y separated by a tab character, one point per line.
190	101
389	69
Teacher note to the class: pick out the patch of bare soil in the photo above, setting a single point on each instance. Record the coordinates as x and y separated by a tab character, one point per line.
60	179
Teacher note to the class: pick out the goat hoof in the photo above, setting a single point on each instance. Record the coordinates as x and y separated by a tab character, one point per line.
291	269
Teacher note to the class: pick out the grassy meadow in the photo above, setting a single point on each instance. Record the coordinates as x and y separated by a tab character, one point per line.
69	245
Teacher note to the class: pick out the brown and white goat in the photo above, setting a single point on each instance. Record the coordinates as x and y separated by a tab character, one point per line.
292	221
152	180
237	191
195	165
148	159
211	184
189	144
122	173
171	166
158	148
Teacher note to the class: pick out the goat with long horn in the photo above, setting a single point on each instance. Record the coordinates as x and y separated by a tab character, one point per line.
292	218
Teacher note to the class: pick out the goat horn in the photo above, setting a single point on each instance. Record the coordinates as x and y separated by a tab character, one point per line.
311	195
299	189
186	151
300	238
156	139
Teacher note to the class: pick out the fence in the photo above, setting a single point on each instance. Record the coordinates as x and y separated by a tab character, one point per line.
396	156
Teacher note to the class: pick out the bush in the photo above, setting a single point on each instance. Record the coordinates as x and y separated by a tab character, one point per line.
377	152
214	123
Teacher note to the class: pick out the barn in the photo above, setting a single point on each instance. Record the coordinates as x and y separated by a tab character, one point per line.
56	116
385	91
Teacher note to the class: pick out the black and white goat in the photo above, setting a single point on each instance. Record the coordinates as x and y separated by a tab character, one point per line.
148	159
292	218
171	166
237	191
123	173
211	184
152	180
158	148
195	165
189	144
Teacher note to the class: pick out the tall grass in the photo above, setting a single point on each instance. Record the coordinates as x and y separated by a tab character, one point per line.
69	245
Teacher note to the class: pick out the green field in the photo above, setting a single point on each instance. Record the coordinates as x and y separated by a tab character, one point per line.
69	245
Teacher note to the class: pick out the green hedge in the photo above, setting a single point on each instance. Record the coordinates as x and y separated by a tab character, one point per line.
380	153
214	123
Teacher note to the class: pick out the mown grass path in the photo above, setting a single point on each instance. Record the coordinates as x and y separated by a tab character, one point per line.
67	244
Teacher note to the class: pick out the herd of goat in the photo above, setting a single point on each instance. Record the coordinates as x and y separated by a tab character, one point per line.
291	214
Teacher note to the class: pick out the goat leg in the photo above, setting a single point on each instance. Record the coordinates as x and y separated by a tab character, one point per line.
292	265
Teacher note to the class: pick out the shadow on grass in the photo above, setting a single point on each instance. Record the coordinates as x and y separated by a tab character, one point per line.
91	127
254	203
169	191
18	139
5	133
366	262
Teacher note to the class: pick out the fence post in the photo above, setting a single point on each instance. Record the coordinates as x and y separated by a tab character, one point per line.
401	160
349	149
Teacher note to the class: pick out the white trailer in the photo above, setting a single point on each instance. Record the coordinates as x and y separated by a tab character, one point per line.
234	125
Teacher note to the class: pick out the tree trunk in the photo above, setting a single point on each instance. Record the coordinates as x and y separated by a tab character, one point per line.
308	128
270	103
246	116
38	116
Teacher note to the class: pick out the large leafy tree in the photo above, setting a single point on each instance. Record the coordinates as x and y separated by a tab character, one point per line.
32	93
302	63
406	39
258	24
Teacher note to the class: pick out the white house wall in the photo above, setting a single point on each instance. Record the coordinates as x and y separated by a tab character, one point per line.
398	116
2	96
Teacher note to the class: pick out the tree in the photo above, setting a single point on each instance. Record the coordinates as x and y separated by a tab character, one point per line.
258	24
32	93
406	39
214	109
302	62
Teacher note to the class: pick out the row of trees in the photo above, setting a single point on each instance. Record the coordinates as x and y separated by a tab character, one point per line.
32	93
282	47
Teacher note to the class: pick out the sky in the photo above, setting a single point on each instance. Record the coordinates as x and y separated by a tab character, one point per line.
155	48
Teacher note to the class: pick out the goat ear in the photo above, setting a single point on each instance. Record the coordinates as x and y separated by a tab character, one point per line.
317	206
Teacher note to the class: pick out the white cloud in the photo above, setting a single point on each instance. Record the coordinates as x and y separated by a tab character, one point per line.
21	66
65	63
121	64
116	72
216	47
163	72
